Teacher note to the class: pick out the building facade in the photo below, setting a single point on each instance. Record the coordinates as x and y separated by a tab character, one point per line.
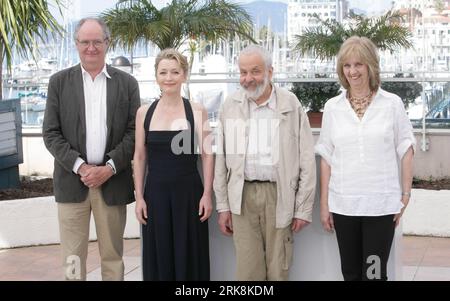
300	16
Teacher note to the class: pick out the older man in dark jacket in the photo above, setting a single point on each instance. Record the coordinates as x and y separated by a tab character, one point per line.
89	128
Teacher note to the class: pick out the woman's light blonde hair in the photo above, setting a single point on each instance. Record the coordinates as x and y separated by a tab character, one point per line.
364	50
172	54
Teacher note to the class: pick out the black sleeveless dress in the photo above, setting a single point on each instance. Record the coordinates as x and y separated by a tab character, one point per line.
175	242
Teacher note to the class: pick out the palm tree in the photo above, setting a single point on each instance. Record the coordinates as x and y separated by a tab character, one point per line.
132	21
22	24
325	40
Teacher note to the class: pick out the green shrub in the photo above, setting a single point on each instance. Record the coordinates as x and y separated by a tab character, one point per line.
314	95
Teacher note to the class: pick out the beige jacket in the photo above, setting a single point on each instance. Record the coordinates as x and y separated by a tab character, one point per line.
294	148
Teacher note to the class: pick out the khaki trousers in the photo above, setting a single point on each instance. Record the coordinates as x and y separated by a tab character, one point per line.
110	222
263	252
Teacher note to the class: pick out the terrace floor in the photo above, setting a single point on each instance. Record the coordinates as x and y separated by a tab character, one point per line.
424	259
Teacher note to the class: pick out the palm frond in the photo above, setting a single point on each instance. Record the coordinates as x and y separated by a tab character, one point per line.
22	25
139	20
325	40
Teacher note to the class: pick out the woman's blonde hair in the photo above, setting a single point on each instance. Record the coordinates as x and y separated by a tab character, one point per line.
172	54
365	50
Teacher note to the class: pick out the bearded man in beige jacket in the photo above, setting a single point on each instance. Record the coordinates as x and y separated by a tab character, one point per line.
265	172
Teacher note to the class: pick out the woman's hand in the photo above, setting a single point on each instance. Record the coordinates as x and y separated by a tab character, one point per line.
141	211
205	208
326	218
405	201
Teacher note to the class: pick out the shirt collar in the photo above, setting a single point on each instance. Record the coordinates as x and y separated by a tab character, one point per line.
104	71
343	95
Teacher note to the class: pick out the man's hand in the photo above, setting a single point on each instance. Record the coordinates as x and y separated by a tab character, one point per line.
96	176
225	223
298	224
83	169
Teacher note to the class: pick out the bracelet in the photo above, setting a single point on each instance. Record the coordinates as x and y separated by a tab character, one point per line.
406	193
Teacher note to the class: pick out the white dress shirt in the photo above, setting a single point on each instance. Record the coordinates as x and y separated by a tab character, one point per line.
259	161
96	127
365	155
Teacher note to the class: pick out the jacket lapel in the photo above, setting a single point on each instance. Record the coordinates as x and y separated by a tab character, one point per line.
111	101
283	107
242	103
78	94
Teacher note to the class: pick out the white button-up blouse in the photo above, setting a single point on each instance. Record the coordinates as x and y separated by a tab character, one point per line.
365	155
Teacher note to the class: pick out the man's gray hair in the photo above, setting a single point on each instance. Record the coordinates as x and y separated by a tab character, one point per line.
106	32
253	48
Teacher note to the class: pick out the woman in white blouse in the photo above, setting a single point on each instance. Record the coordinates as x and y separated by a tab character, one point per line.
367	146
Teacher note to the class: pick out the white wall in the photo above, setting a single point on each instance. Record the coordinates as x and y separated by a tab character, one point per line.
428	213
34	221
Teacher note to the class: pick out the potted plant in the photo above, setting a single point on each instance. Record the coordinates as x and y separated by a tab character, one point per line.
313	96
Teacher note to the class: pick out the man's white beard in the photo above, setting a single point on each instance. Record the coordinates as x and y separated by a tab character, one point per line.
259	91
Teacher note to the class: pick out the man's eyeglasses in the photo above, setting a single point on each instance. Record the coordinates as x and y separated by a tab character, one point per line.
95	43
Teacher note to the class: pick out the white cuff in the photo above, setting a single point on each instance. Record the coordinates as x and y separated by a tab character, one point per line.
110	162
321	150
403	147
77	165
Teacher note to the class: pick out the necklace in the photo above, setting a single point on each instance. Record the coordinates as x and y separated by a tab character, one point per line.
360	104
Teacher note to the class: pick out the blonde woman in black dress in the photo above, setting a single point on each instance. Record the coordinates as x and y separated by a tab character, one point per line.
173	206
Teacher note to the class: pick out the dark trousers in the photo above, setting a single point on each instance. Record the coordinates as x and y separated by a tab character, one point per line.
364	245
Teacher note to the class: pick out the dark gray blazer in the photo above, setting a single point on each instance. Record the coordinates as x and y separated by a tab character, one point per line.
64	132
